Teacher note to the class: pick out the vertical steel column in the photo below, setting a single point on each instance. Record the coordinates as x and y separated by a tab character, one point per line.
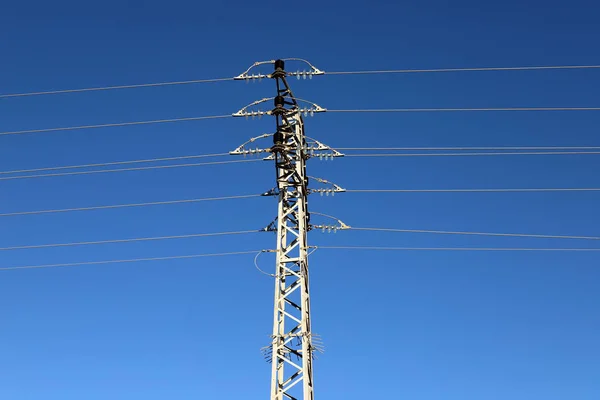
292	347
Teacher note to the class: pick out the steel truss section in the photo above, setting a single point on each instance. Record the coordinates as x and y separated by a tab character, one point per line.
292	342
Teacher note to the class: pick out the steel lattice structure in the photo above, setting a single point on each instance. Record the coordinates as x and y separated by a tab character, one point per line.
293	344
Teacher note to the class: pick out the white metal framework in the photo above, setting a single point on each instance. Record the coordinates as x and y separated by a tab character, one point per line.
293	344
292	348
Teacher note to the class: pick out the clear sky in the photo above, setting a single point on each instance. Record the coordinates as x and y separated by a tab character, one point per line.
396	325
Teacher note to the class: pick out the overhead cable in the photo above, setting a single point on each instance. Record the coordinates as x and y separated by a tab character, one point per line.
131	260
452	248
197	200
473	190
505	148
129	205
192	256
405	71
423	110
546	153
194	156
476	233
106	164
102	171
389	110
364	72
113	125
106	88
131	240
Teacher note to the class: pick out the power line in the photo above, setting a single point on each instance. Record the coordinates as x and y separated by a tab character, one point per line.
449	248
106	88
473	190
192	256
371	72
131	260
198	200
131	240
113	125
476	233
404	71
150	122
130	205
106	164
547	153
472	148
102	171
411	110
194	156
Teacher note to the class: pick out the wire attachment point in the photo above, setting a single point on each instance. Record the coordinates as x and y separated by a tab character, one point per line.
247	77
256	262
244	150
272	227
244	112
330	228
310	109
326	191
322	151
304	74
314	71
272	192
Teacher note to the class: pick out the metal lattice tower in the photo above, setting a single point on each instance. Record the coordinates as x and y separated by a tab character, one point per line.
292	339
293	344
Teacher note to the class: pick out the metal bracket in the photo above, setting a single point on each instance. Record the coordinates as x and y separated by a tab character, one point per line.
310	110
272	192
272	227
326	191
330	228
304	74
299	74
244	75
242	150
243	112
314	149
322	151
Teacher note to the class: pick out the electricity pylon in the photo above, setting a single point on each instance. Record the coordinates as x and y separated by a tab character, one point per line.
293	344
292	337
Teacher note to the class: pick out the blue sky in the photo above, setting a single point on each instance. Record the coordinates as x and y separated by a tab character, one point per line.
413	325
